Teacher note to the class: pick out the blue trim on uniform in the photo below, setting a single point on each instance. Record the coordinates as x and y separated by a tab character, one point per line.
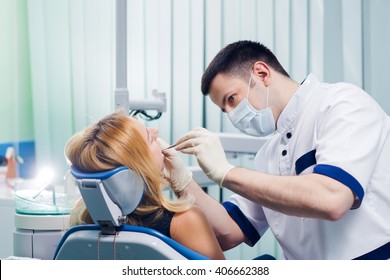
265	257
242	221
342	176
381	253
305	161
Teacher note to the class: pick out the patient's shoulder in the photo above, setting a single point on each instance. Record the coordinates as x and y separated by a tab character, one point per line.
189	224
192	217
191	229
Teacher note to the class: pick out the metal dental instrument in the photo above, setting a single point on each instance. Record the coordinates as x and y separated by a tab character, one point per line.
172	146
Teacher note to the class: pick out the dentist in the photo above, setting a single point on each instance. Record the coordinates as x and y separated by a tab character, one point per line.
321	182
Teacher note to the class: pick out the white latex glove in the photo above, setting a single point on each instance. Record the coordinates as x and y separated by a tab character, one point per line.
175	171
207	148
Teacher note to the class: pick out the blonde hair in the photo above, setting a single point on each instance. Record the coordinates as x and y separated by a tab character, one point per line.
115	141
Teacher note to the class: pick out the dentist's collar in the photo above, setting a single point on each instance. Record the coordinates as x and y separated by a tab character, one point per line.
296	104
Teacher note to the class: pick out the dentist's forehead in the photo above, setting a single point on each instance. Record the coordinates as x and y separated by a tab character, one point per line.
224	85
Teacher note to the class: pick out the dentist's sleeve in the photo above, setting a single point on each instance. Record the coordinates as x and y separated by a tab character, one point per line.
249	216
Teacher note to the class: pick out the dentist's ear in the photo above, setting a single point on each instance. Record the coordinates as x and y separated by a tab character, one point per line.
262	70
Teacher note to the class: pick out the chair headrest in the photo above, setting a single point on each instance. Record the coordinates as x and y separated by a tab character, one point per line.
120	190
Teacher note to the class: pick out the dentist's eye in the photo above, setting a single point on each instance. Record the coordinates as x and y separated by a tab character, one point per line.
231	99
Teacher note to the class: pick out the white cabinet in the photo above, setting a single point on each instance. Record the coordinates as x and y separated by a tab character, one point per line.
7	213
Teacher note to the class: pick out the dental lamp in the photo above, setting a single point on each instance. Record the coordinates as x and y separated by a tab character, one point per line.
122	101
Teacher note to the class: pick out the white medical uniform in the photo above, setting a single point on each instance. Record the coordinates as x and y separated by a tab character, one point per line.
339	131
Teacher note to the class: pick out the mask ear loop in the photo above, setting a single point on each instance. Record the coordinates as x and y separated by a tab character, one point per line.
266	106
249	84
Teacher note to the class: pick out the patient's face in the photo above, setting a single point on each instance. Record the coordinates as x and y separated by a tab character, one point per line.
154	145
151	135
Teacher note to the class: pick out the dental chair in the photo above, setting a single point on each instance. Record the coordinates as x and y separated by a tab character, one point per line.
110	196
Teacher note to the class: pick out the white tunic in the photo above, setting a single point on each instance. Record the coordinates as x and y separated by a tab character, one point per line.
339	131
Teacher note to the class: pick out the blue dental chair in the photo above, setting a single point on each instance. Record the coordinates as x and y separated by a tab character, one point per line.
106	195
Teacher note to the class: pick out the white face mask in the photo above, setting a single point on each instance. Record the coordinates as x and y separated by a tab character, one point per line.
250	121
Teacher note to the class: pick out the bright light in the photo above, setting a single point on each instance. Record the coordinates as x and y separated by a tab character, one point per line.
45	175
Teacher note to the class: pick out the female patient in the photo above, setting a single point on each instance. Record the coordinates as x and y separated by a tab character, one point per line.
118	140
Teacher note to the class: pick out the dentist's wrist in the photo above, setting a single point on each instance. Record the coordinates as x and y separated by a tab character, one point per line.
219	176
182	180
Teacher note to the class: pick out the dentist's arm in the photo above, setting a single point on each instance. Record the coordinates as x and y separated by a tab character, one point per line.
312	195
226	230
228	233
175	171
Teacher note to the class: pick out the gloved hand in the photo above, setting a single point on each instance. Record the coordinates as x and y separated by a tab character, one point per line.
175	171
207	148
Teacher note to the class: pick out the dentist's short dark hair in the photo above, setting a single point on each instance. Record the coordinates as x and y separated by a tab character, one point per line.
236	59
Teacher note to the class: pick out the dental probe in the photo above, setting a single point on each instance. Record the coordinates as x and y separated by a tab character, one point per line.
172	146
